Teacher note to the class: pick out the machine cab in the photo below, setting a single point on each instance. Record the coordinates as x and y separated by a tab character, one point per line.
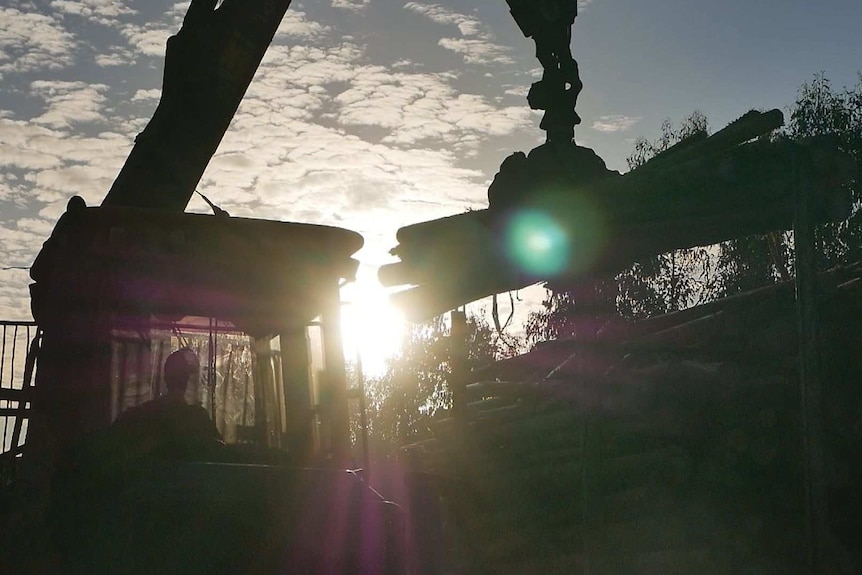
117	290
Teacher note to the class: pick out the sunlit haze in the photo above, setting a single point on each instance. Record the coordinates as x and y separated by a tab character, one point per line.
371	328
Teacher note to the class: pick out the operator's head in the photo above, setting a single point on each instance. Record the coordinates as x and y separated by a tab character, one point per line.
179	366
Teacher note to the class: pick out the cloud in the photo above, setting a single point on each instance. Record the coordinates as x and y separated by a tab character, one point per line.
44	166
89	181
150	38
30	41
468	25
105	12
615	123
476	46
307	172
333	84
296	26
477	51
323	136
145	95
327	133
69	103
23	146
19	240
7	185
118	57
410	108
14	294
353	5
16	240
38	226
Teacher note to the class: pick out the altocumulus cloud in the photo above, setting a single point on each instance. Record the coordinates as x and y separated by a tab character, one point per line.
476	44
69	103
329	132
104	12
615	123
354	5
31	41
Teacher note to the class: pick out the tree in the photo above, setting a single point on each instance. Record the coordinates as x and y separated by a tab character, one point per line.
821	111
644	150
679	279
572	311
664	283
403	403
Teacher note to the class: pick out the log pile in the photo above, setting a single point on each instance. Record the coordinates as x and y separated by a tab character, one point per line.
672	446
703	192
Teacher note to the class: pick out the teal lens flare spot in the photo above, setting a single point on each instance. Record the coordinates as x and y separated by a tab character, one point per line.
537	243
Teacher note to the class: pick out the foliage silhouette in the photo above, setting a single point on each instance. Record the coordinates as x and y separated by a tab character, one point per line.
414	391
822	111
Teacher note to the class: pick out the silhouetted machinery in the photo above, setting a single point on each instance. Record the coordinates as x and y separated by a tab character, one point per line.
117	288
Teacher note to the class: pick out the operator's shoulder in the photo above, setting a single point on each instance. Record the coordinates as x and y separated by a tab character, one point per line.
196	410
142	410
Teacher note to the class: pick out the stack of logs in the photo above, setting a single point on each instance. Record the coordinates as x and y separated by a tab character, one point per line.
668	446
705	190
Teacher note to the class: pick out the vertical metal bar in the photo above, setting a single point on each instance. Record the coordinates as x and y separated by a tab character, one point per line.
12	381
141	365
805	245
26	386
213	383
296	364
7	403
122	360
12	366
156	362
363	416
211	379
335	375
3	357
29	378
226	380
5	418
245	385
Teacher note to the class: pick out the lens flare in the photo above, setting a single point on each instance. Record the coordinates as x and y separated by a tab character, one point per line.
564	234
537	243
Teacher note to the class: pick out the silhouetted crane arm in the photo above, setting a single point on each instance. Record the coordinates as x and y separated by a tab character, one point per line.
209	64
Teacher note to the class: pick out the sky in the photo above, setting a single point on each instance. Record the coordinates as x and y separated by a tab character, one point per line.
375	114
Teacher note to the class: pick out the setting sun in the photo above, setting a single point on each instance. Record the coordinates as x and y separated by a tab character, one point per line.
372	327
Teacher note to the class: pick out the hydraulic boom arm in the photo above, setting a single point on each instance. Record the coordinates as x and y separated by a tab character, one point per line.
208	66
210	62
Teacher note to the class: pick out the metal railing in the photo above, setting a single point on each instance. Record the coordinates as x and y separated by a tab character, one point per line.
18	347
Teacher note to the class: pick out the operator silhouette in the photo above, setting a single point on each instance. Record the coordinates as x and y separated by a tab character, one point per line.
168	428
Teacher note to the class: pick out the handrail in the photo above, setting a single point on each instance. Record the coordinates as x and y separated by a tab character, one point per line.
16	388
